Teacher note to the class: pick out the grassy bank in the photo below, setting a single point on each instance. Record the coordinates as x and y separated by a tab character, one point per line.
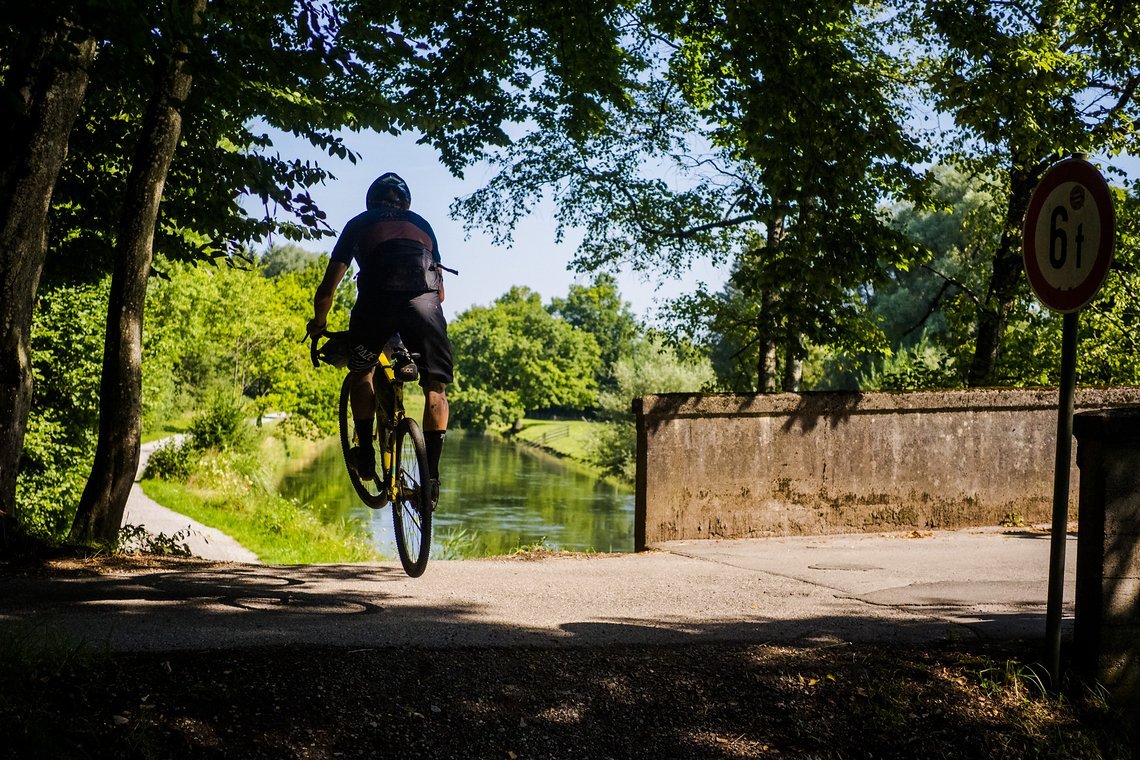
572	440
233	492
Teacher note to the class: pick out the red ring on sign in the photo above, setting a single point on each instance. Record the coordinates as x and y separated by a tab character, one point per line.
1082	172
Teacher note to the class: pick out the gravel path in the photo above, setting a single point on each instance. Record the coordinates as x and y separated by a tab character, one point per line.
204	541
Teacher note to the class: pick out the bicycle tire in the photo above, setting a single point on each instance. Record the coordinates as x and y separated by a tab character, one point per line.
371	492
411	511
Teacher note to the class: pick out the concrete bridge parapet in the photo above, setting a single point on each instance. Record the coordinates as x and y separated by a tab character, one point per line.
737	466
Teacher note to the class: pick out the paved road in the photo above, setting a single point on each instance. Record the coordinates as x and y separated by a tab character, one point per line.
203	541
962	585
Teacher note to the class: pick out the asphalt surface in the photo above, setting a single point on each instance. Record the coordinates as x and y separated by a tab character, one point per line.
922	587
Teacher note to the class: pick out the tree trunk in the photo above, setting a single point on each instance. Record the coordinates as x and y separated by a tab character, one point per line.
48	87
120	403
793	364
768	366
1004	281
767	375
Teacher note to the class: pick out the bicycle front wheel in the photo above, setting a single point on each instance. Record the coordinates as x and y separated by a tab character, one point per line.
371	492
411	509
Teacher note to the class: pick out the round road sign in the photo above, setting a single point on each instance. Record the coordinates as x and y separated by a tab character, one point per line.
1068	237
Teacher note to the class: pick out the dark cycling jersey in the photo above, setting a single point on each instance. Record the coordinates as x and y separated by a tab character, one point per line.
395	249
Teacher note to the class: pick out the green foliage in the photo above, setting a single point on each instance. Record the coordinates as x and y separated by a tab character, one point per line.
654	366
614	450
67	346
277	530
136	539
1109	349
458	543
222	425
802	106
286	259
225	330
598	310
298	426
1025	85
923	365
172	460
514	357
929	313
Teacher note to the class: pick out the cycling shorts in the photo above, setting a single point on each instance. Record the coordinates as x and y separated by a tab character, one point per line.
417	317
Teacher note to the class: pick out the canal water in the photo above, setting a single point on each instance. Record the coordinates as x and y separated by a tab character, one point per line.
495	497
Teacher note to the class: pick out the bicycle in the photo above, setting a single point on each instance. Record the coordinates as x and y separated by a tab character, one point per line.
402	469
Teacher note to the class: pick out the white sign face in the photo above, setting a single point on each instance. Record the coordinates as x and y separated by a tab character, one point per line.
1067	237
1070	229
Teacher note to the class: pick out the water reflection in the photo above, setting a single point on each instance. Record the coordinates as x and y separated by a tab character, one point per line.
503	496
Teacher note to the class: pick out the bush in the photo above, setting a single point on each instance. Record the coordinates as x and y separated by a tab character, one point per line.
299	426
170	461
136	539
921	366
479	409
614	450
222	426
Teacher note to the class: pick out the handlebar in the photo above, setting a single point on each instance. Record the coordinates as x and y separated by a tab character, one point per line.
314	345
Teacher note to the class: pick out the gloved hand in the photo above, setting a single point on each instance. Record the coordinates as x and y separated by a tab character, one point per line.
315	329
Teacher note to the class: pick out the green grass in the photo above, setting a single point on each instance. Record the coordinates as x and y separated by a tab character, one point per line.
180	424
228	491
575	445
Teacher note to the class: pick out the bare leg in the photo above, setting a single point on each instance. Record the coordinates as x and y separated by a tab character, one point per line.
363	396
435	406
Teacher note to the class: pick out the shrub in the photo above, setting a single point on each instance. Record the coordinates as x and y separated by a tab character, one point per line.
170	461
300	426
614	450
136	539
223	425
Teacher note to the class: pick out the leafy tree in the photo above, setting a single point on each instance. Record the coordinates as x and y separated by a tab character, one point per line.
44	79
234	331
933	301
453	72
802	108
929	312
285	259
1025	84
598	309
100	511
514	357
652	366
1109	347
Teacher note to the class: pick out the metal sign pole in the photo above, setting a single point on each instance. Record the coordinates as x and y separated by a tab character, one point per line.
1061	497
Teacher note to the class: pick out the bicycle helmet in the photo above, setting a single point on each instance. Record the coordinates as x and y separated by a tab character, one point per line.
389	190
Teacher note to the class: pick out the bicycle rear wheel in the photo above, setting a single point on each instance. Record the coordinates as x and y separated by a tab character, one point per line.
371	492
411	511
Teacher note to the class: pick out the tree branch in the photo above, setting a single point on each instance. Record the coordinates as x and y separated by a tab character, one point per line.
681	234
1037	23
951	281
932	307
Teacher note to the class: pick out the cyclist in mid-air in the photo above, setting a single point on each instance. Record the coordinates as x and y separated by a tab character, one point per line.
399	290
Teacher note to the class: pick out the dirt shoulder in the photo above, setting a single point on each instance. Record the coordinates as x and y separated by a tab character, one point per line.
715	701
701	699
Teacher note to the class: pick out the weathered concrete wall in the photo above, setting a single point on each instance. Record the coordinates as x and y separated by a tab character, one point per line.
714	466
1108	553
